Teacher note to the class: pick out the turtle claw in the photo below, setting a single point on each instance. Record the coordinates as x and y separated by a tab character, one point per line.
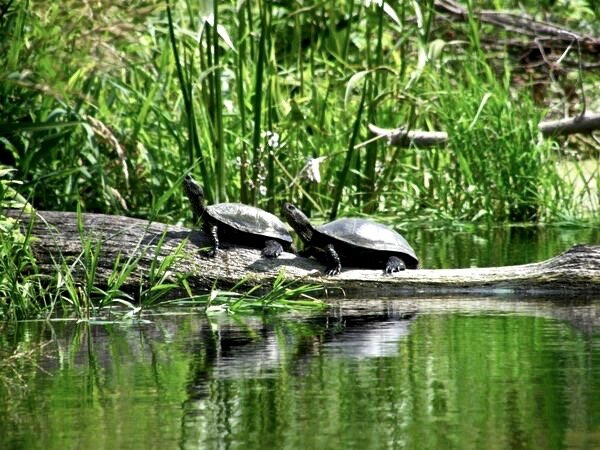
334	270
270	254
272	249
394	264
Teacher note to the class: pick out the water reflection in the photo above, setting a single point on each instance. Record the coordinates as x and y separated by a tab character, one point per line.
495	246
419	373
368	340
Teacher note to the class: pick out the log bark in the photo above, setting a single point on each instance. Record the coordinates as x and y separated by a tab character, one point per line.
57	237
571	125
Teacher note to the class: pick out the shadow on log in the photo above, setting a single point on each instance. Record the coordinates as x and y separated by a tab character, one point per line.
575	272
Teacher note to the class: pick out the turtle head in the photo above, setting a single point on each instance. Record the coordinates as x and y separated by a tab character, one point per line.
195	194
299	222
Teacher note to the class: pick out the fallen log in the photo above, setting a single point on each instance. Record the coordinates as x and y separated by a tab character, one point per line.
58	237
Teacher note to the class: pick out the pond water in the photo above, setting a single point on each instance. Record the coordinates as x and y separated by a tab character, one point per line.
434	373
495	246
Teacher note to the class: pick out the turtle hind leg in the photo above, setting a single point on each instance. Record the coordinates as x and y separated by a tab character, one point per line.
334	265
272	249
394	264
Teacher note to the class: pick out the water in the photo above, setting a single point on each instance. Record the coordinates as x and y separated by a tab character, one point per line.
495	246
434	373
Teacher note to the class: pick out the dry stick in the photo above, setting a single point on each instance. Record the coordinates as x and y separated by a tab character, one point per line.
402	137
579	124
517	23
571	125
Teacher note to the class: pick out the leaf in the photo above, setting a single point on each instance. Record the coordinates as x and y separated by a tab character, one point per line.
124	302
421	63
225	36
435	49
352	82
386	9
484	100
221	30
418	16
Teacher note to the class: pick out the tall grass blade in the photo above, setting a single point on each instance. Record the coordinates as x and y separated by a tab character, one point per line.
337	195
195	153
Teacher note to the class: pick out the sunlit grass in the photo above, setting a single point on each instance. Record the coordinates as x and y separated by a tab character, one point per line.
583	177
282	296
172	87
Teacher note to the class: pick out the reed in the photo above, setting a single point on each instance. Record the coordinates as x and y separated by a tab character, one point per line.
250	95
175	87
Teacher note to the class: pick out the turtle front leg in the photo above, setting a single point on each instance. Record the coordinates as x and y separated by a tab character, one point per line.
272	249
334	265
394	264
214	241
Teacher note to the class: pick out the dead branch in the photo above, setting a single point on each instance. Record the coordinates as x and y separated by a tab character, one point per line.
571	125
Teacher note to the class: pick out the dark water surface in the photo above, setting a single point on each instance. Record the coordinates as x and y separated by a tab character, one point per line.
426	373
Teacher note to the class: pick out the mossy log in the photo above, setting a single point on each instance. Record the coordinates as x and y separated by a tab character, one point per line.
57	237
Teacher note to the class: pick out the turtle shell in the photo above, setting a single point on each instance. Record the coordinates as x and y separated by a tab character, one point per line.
248	219
368	235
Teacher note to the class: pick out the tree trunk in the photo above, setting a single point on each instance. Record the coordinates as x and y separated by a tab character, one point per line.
57	237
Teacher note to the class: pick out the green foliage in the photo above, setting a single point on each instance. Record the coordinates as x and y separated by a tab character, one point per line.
496	167
73	284
18	271
282	296
247	93
108	105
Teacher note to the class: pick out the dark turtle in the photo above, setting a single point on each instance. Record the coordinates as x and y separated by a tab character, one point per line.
353	242
238	223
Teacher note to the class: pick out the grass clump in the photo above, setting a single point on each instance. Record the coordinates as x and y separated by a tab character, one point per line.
282	296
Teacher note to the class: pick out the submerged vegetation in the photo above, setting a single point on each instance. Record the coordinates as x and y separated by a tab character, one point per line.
107	106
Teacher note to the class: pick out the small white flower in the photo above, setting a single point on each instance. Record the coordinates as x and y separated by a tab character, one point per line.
272	139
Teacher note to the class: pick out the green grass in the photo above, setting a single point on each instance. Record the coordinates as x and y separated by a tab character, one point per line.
109	106
282	296
112	119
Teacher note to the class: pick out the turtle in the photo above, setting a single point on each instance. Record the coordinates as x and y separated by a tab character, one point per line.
238	223
352	241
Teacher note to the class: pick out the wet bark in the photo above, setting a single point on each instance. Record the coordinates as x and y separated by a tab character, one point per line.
57	237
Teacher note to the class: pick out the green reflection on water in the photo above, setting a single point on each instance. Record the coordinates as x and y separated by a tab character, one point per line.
495	246
439	380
